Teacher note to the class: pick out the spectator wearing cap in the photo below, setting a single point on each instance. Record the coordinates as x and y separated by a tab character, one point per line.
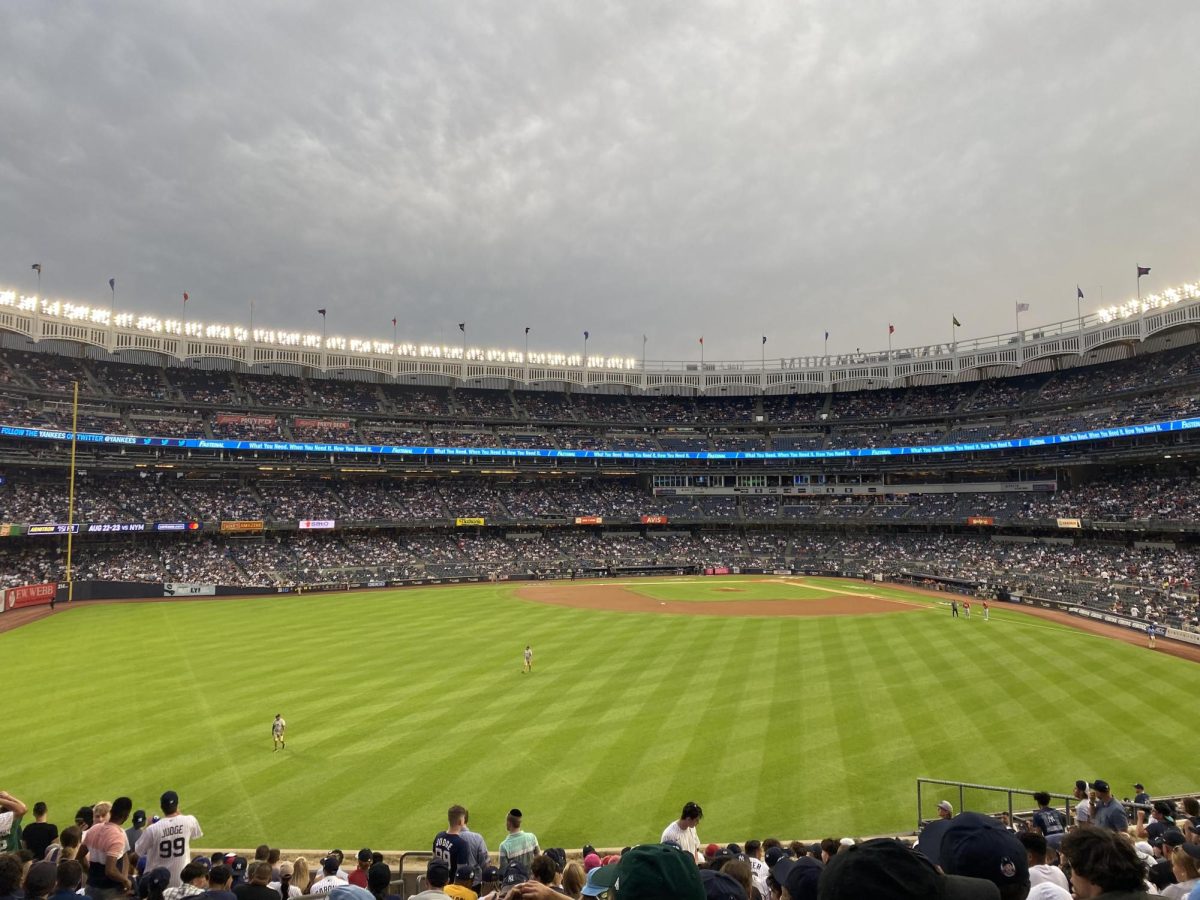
166	842
39	834
1103	864
720	886
379	881
945	810
330	876
257	887
519	846
358	877
449	845
682	832
193	881
460	888
437	876
1161	818
977	846
884	867
1107	812
1141	796
285	884
134	831
490	880
1039	871
1187	872
220	878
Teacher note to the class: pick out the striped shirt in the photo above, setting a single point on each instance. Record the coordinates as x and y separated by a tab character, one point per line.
519	847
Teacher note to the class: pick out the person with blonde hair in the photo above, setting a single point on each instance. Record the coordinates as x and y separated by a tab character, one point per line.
300	875
573	880
1184	863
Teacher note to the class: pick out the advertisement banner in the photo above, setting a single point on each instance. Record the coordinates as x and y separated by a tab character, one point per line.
589	520
176	526
53	528
300	422
980	520
239	419
467	520
242	525
1070	523
654	520
188	589
113	527
9	530
30	595
316	524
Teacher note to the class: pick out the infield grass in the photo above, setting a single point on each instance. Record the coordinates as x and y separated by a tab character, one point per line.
402	703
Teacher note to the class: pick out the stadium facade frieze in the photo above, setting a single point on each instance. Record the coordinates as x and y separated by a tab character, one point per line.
39	319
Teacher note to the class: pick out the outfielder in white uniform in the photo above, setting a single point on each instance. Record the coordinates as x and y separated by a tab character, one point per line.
278	727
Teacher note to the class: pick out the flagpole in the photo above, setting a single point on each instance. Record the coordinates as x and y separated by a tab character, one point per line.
643	361
112	286
37	267
252	318
889	340
827	345
526	345
1018	308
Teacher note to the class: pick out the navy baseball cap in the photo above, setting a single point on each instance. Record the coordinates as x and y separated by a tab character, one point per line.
490	873
514	873
169	802
884	867
978	846
364	855
719	886
464	870
1099	785
139	818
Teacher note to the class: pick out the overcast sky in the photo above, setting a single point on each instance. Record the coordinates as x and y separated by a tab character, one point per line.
716	169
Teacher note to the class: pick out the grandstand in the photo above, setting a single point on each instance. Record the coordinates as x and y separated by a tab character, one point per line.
1064	483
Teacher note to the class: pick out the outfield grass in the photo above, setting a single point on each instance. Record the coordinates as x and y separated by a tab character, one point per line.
402	703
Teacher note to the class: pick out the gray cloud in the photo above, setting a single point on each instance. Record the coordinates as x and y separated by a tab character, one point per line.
718	169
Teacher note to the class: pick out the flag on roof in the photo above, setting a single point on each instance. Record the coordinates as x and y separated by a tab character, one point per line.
702	340
112	284
321	312
1079	292
185	296
891	329
764	338
1022	307
37	267
586	335
1143	270
957	324
393	321
462	326
527	329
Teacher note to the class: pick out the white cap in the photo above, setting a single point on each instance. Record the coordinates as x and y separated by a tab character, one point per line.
945	804
847	842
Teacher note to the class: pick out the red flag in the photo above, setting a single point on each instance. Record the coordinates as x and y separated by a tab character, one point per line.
185	297
393	323
701	340
891	329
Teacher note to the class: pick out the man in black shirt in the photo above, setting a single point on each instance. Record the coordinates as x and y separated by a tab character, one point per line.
38	834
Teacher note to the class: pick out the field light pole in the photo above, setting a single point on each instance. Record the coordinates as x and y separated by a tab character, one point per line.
71	494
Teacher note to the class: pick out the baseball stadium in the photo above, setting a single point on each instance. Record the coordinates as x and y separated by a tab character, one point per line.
786	592
620	450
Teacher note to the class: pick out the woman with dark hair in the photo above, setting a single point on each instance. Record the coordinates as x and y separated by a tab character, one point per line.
1103	864
379	881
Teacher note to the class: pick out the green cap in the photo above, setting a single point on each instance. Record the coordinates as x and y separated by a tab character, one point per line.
658	872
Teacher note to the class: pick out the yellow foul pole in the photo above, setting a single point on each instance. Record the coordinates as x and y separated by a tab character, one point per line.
71	495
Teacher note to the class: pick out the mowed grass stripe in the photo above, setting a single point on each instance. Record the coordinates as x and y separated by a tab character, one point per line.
400	703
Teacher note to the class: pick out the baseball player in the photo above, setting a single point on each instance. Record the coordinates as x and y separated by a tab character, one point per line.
278	727
528	666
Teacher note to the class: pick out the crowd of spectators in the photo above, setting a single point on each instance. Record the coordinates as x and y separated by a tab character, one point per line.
1170	497
1098	846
